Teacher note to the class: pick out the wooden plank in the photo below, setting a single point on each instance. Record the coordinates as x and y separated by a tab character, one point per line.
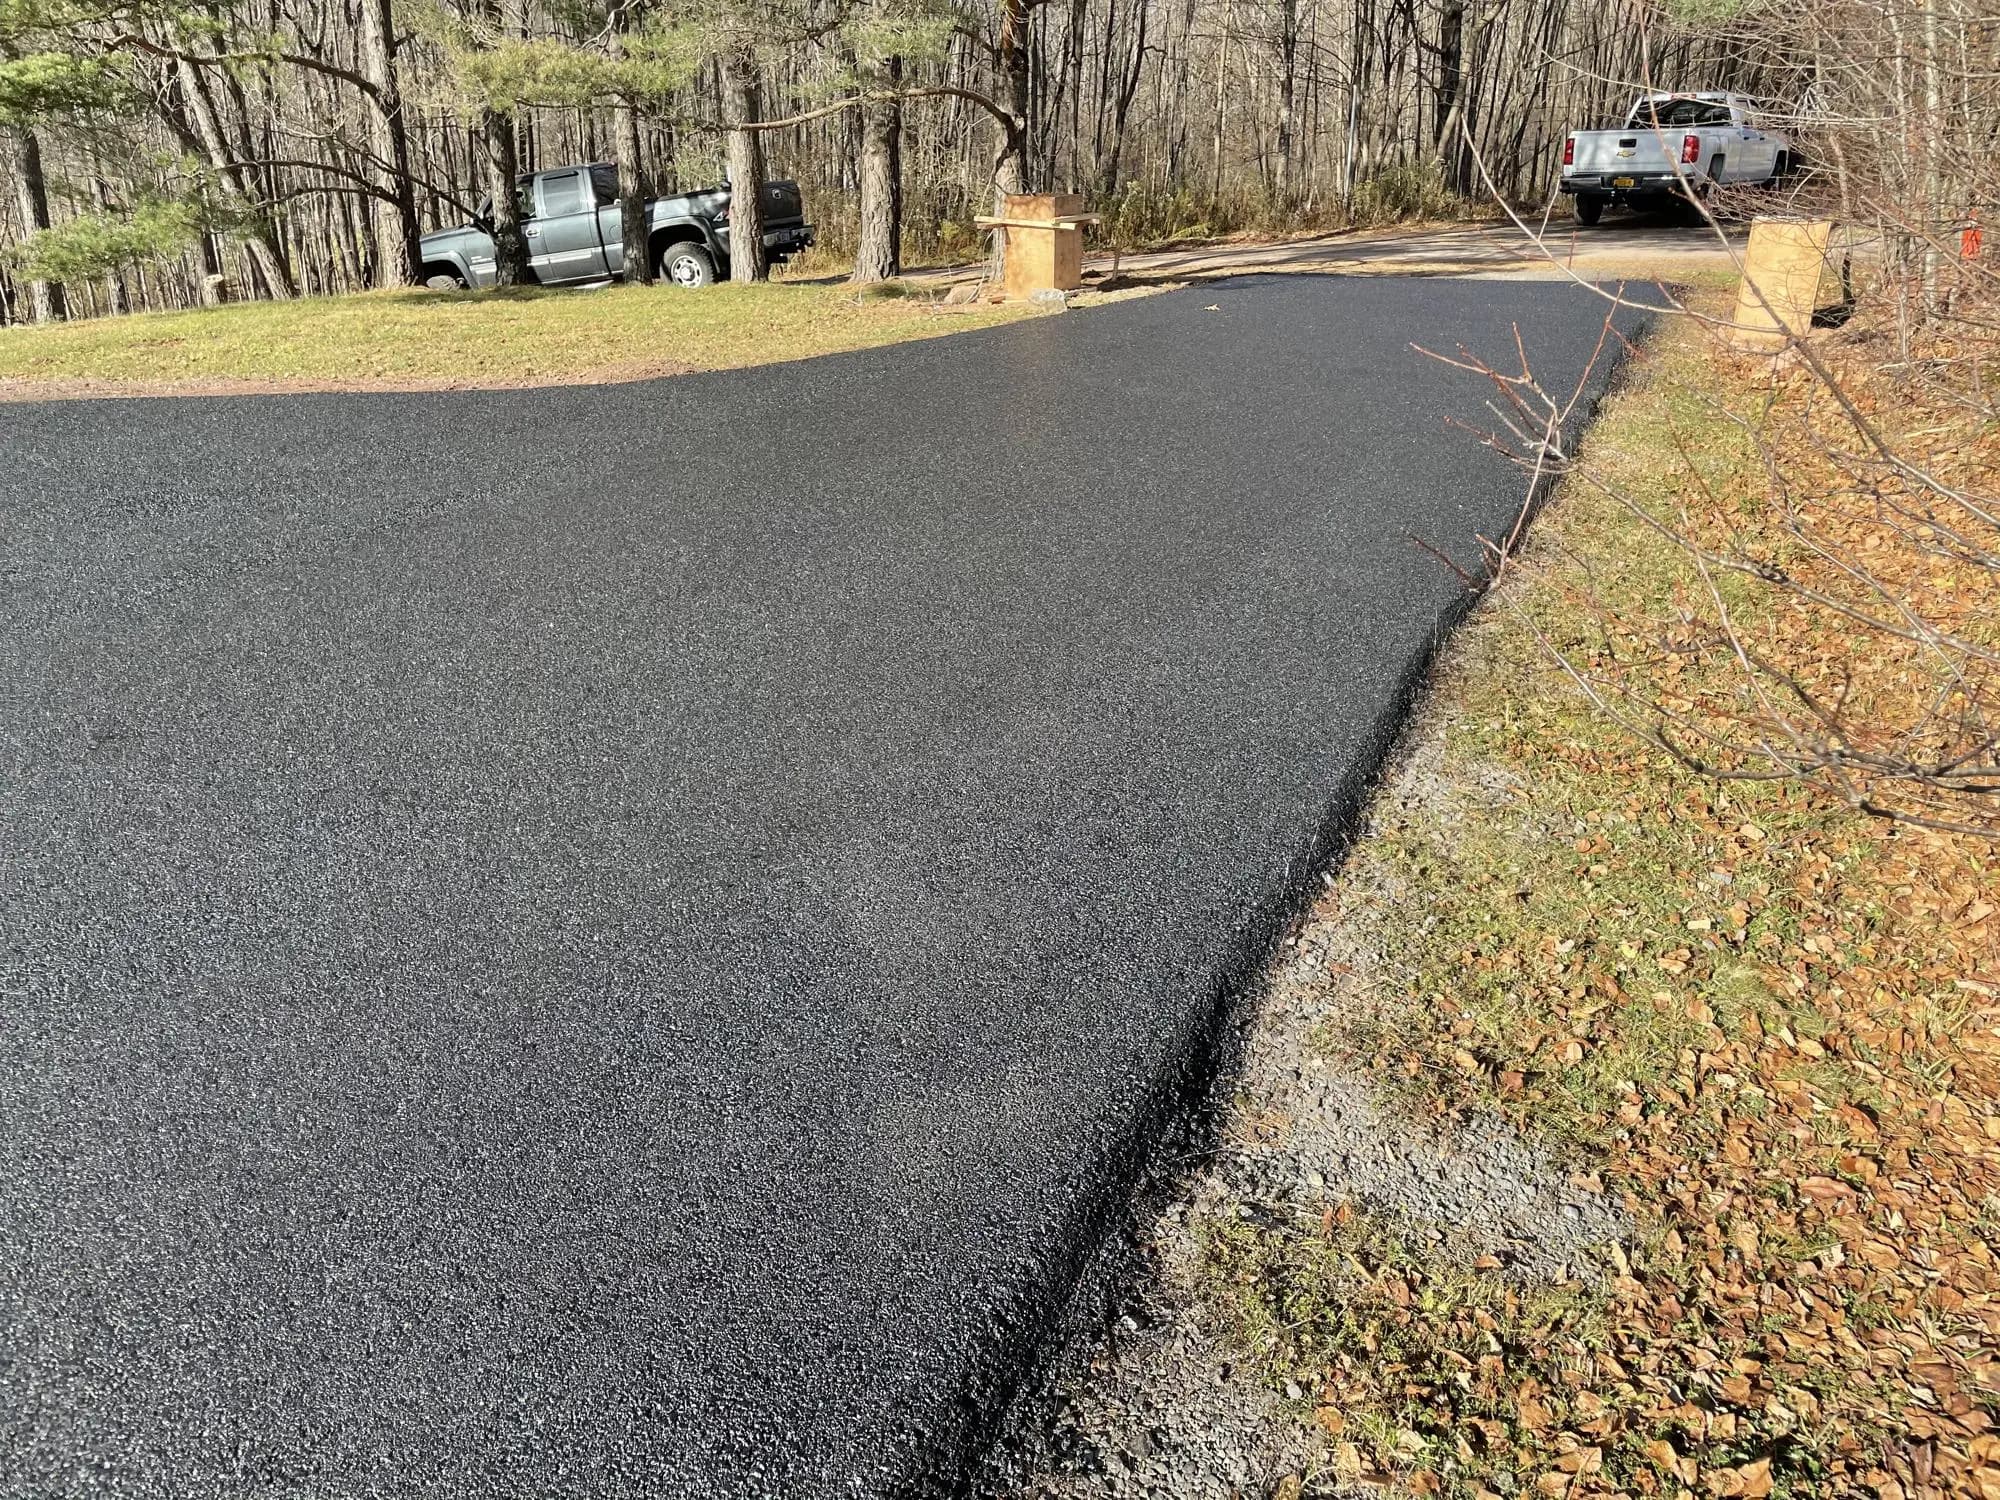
1071	221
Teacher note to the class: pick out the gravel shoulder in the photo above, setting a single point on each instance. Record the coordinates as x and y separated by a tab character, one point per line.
1169	1405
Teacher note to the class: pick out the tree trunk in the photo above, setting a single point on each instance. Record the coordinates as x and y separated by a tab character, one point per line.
115	299
501	163
632	196
260	244
1450	78
212	286
1121	110
632	174
743	102
44	298
1288	74
1010	167
1457	100
398	260
880	253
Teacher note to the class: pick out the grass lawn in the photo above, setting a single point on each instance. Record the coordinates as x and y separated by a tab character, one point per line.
423	340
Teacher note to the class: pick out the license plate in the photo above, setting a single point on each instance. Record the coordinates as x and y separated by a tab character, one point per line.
1621	182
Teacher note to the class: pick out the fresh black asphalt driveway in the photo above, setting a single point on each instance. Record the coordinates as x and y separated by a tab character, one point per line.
616	942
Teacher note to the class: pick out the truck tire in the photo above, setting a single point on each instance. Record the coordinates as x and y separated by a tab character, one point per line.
1693	196
1589	207
1706	204
686	264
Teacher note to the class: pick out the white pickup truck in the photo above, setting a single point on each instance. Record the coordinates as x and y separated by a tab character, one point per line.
1672	147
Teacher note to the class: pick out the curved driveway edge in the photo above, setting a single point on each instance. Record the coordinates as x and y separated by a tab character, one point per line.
620	942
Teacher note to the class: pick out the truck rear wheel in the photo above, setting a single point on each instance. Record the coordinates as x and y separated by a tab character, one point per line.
686	264
1589	207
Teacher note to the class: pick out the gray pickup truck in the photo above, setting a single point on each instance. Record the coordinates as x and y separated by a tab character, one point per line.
571	220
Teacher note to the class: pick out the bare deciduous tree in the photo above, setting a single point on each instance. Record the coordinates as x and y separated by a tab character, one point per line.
1844	640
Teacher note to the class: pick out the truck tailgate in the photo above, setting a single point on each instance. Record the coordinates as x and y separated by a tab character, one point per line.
1607	151
783	204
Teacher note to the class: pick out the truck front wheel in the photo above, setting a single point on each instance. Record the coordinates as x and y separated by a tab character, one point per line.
686	265
1589	207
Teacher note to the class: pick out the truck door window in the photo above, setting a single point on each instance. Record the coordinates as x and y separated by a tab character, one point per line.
562	193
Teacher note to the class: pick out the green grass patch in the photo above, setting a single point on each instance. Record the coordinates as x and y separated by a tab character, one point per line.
1404	1358
526	335
1571	944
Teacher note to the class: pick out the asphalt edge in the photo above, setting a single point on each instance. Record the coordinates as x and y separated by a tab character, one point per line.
1011	1416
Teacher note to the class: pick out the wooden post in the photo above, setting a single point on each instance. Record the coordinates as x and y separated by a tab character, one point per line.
1042	235
1780	286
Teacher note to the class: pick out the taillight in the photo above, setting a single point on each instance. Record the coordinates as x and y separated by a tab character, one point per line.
1690	149
1569	150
